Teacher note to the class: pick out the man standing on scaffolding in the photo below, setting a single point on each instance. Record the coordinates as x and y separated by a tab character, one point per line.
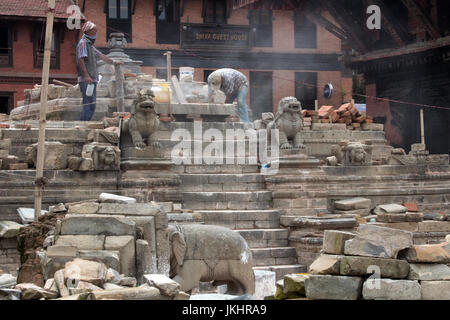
87	56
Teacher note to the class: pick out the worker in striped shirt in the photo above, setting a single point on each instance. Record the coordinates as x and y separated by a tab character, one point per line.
87	55
235	86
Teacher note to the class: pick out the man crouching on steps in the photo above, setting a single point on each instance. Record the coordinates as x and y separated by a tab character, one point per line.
87	67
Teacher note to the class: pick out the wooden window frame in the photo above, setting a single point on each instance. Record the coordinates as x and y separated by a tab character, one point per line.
214	20
9	55
38	38
118	23
262	32
168	32
306	27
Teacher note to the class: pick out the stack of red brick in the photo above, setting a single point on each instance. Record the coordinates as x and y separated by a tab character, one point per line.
346	113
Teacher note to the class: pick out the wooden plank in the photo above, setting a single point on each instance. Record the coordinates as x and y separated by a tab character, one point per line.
178	91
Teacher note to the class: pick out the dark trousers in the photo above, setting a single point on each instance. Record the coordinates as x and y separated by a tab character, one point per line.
88	102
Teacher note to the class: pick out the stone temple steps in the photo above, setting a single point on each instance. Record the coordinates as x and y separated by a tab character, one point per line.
237	199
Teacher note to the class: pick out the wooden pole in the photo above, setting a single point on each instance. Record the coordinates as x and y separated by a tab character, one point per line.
39	183
316	105
422	128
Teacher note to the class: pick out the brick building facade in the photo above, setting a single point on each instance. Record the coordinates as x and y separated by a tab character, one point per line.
285	54
22	35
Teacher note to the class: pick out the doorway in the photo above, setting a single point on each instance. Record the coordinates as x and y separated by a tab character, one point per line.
261	95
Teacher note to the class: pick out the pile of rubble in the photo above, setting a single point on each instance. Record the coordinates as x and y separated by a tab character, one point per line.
376	263
90	280
346	114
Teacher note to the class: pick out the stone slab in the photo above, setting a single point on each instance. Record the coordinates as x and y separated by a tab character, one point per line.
166	285
328	287
27	214
83	208
135	209
110	258
126	246
390	208
375	241
9	229
429	272
264	284
388	289
334	241
145	260
84	270
352	204
435	290
94	224
113	198
428	253
82	242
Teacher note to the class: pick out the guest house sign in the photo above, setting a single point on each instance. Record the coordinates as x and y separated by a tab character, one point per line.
215	36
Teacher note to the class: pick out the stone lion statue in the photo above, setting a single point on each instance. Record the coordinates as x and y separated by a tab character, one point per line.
144	121
288	121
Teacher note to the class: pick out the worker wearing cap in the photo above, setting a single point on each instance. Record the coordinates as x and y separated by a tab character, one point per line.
87	55
235	86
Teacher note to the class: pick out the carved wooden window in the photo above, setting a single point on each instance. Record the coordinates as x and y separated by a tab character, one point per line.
305	32
167	14
118	18
306	89
6	47
39	46
215	11
261	22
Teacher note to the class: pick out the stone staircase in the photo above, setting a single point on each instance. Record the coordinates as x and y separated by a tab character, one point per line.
237	199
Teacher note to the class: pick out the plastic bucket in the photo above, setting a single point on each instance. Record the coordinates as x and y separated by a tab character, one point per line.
186	74
162	92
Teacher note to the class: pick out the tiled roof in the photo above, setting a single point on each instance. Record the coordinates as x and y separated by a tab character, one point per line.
33	8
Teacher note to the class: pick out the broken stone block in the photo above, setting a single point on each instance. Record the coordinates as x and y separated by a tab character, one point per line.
62	251
429	272
435	290
334	241
60	207
375	241
128	294
83	286
18	166
352	204
390	208
325	264
55	157
111	259
4	153
264	283
332	161
128	282
79	296
359	266
113	276
7	280
104	155
428	253
84	270
294	284
145	260
50	284
9	229
126	246
83	208
113	198
30	291
94	224
391	217
82	242
181	296
166	285
109	286
329	287
136	209
388	289
414	216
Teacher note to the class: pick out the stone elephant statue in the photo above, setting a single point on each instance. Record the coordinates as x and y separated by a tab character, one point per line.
210	253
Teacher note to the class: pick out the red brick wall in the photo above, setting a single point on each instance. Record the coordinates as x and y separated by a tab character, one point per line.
23	63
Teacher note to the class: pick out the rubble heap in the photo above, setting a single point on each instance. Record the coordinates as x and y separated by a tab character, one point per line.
375	263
